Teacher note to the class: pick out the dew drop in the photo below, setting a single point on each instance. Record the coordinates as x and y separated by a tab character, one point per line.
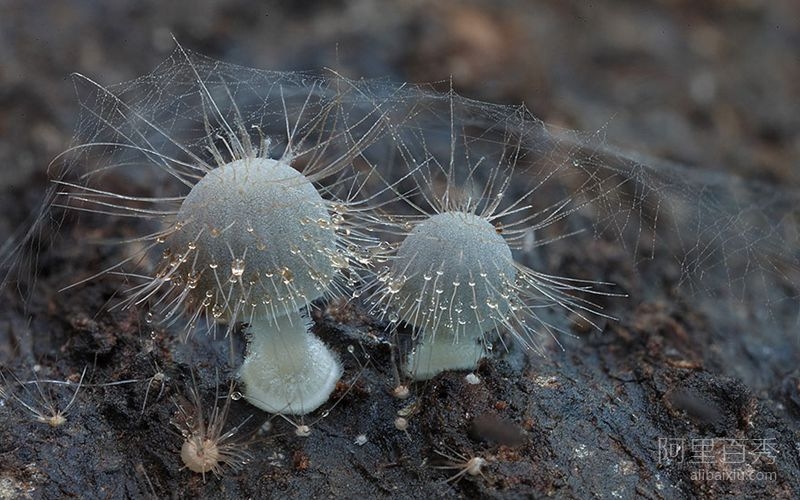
237	267
395	285
338	261
217	310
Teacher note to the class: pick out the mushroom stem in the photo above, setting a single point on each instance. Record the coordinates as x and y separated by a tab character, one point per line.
445	351
287	369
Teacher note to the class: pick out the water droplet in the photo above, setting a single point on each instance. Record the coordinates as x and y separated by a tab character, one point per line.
237	267
395	285
339	261
217	310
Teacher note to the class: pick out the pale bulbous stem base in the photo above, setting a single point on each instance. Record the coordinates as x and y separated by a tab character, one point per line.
287	370
442	352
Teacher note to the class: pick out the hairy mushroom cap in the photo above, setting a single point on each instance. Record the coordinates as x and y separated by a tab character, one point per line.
454	270
255	231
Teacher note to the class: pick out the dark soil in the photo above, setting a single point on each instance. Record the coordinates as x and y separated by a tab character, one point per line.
713	85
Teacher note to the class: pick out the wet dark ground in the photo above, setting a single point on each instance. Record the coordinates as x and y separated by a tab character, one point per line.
712	85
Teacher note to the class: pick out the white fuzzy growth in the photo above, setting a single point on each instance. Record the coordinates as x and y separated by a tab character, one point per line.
256	229
452	279
288	370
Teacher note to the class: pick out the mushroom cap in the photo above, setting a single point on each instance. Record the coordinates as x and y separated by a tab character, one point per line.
452	273
255	232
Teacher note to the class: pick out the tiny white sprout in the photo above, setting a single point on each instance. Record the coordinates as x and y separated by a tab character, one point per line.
401	392
46	410
465	466
207	447
401	424
302	431
360	440
472	379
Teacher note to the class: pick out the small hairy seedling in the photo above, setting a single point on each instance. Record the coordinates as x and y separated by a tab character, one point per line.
207	446
465	466
42	403
251	236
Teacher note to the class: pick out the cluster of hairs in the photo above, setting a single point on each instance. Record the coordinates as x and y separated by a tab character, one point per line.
463	234
250	205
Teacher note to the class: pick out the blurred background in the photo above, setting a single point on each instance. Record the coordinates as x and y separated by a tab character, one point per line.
713	83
